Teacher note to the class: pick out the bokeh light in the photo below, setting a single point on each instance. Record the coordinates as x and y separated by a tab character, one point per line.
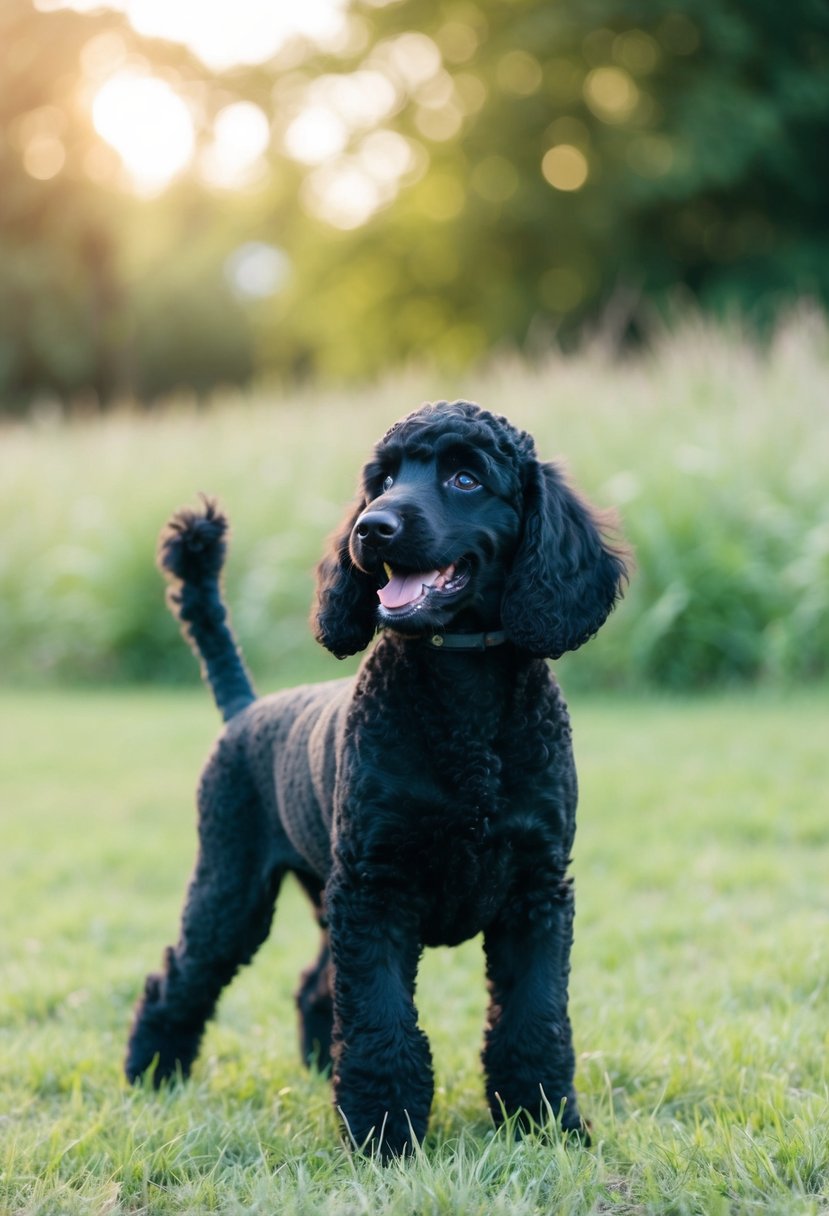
241	135
38	134
519	72
565	167
341	193
637	51
611	94
458	41
148	125
257	270
331	108
412	58
315	135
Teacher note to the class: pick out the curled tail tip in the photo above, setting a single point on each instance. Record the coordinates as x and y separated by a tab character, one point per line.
193	543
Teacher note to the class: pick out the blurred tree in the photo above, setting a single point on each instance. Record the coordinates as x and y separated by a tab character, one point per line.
57	286
571	158
101	294
451	176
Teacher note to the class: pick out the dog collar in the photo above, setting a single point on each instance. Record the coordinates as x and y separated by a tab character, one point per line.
465	641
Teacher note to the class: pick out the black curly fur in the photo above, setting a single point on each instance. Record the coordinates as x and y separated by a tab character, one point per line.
428	800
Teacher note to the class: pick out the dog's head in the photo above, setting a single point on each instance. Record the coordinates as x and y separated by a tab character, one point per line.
458	525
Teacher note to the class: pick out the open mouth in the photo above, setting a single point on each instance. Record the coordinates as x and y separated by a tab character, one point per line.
404	592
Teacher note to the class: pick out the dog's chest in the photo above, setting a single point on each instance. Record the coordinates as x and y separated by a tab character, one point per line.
455	795
455	843
460	873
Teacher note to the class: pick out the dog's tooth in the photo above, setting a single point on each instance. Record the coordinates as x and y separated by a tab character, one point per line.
388	570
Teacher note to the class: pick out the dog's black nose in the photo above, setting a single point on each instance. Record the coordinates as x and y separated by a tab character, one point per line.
376	528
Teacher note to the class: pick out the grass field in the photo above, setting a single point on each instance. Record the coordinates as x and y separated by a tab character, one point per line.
699	987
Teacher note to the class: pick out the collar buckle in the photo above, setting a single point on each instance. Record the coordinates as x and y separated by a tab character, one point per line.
466	641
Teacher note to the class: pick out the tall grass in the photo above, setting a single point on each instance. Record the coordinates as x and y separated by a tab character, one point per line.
715	451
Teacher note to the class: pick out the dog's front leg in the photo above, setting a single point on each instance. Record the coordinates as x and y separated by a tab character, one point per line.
382	1065
528	1050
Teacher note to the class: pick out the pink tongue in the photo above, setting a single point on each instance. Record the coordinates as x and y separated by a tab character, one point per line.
404	588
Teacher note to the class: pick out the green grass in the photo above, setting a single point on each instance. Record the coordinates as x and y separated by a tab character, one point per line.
699	986
716	452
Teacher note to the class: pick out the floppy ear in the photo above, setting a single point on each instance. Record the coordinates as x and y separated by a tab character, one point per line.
344	615
566	576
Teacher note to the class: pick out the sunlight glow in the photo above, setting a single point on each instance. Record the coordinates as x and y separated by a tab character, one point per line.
246	32
412	57
346	191
148	125
335	106
222	35
315	135
386	156
330	123
241	135
342	193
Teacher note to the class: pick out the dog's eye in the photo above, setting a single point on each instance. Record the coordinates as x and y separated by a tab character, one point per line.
388	482
465	481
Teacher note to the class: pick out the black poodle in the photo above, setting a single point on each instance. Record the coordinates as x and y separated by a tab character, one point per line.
427	800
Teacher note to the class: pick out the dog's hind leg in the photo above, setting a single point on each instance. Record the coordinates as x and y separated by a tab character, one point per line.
314	996
316	1010
227	915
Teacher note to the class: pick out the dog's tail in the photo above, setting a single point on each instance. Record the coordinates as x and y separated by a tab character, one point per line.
191	553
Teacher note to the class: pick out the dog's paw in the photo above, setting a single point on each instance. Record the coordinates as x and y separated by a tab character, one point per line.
577	1129
544	1120
386	1139
159	1047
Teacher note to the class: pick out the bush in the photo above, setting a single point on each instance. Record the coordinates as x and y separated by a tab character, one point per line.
716	452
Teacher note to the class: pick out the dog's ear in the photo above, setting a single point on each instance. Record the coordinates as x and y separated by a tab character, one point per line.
566	575
344	615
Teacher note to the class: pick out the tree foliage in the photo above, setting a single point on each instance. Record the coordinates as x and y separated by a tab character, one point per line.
601	146
532	168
